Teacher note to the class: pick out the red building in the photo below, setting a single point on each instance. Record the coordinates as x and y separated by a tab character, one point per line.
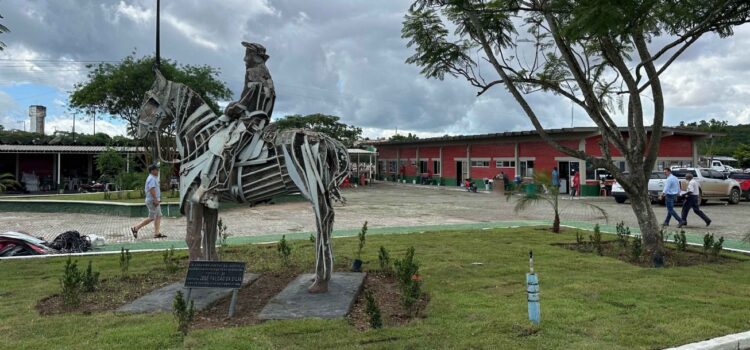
452	158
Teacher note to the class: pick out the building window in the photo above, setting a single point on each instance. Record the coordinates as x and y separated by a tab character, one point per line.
392	167
436	167
505	164
480	163
527	168
423	166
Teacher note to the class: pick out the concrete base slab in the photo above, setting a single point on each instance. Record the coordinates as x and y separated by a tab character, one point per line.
294	302
727	342
161	299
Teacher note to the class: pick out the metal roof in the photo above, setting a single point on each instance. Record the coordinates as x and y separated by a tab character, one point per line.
552	132
64	149
360	151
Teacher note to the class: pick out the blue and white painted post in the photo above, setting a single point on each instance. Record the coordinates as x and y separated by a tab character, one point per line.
532	290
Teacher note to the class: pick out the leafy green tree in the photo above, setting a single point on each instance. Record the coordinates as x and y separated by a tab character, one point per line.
734	136
742	154
407	137
17	137
328	124
110	163
600	55
3	29
118	89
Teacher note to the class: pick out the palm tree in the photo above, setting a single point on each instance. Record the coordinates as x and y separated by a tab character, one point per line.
546	193
3	29
7	180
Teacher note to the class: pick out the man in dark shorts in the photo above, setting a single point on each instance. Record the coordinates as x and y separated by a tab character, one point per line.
153	201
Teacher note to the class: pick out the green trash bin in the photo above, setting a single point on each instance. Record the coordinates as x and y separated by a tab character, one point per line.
589	190
530	189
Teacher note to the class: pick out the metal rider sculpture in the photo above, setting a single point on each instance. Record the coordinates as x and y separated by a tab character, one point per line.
240	157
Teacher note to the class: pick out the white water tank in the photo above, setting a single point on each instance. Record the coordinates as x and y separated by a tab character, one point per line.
37	115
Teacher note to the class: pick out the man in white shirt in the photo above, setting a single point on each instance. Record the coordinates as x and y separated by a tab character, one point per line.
693	201
669	194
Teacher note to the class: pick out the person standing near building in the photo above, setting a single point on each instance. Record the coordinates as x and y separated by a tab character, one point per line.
153	201
555	178
574	184
669	194
693	201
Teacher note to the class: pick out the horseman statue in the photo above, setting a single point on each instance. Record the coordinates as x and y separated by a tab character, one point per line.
242	157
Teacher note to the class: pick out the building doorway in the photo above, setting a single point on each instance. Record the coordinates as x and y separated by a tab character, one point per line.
563	169
462	172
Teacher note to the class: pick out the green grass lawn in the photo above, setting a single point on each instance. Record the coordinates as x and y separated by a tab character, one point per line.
587	301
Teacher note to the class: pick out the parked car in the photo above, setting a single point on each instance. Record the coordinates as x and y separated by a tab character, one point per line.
714	184
744	180
655	186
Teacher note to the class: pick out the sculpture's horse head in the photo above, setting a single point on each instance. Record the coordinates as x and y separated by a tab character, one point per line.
156	112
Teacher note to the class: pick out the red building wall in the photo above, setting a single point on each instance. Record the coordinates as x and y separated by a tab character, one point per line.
40	164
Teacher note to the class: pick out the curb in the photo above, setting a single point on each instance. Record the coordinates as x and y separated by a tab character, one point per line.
728	342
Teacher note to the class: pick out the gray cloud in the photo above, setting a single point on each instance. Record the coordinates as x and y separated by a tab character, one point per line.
339	57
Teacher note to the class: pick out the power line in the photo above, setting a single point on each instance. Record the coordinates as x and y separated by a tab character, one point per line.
56	60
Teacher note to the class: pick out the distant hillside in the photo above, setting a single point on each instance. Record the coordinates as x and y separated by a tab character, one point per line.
721	146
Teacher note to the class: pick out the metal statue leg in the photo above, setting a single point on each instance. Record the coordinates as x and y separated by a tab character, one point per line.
210	217
323	254
194	214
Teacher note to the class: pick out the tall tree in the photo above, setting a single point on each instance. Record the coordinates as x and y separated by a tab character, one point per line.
118	89
407	137
3	29
328	124
599	54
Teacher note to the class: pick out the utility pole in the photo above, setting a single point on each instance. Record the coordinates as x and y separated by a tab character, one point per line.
74	124
93	114
158	54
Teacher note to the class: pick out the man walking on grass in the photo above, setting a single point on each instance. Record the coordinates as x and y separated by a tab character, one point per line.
693	201
669	194
153	201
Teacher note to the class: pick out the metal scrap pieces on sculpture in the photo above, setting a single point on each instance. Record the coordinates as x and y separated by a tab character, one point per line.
241	157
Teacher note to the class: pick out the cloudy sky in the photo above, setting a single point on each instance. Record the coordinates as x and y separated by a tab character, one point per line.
341	57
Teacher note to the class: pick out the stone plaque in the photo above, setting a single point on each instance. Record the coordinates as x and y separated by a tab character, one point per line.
215	274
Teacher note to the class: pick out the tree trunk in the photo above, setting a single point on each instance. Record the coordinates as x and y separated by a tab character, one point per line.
647	221
556	223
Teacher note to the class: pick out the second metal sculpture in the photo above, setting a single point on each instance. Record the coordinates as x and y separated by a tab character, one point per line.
241	157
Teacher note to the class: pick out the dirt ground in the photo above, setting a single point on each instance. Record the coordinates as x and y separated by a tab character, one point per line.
382	205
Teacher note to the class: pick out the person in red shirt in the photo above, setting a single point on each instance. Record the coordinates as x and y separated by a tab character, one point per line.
575	184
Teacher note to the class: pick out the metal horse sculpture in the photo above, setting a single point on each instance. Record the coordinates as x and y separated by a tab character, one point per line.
243	160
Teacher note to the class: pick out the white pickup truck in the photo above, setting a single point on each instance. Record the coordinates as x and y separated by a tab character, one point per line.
714	184
655	186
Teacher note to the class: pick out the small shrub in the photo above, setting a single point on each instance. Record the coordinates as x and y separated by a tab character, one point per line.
90	279
717	246
284	249
410	282
596	240
636	249
385	260
680	240
623	233
373	311
361	237
183	313
708	243
171	263
312	239
664	236
124	261
71	284
580	241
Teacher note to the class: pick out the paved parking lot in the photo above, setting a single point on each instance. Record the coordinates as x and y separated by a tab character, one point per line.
382	205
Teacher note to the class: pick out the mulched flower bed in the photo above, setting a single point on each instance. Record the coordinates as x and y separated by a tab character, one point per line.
110	294
672	257
385	290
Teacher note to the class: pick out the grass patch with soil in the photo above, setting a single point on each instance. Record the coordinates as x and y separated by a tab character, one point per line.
477	299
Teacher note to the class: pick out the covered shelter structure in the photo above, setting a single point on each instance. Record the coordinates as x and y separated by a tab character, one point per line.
56	166
363	162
